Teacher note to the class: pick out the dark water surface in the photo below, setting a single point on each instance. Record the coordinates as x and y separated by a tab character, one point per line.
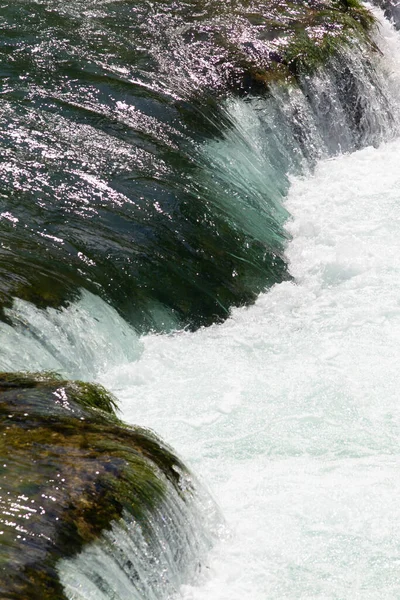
104	182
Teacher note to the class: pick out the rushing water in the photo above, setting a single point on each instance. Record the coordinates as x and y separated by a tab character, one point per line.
288	411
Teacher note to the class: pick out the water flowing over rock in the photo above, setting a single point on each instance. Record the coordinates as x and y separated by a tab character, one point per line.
391	9
114	121
71	472
147	151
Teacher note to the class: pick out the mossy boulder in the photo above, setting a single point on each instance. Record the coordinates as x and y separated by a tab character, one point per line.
69	469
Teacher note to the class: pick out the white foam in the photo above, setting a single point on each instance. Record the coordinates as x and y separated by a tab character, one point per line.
289	410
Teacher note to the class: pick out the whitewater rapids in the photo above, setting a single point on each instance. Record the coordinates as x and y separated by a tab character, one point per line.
290	410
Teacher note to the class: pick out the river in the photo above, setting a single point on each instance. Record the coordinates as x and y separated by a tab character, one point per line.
287	411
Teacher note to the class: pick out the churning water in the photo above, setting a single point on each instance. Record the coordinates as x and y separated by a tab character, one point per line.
289	410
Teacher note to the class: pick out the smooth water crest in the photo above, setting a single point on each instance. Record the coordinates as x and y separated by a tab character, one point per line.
144	195
127	169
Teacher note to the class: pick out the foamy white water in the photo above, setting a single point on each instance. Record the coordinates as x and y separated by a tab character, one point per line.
290	410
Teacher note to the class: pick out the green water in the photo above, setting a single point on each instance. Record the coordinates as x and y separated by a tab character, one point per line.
113	182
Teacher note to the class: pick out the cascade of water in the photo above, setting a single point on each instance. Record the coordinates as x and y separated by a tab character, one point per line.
78	342
290	408
243	176
247	393
114	142
130	562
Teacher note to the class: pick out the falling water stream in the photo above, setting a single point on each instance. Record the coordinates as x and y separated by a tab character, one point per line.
288	411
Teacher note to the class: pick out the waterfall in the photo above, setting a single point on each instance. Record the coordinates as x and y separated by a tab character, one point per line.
273	219
128	562
243	176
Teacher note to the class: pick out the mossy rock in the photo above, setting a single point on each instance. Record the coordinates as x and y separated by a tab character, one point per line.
299	37
69	468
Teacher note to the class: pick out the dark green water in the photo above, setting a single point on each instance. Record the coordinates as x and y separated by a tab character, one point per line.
144	158
105	184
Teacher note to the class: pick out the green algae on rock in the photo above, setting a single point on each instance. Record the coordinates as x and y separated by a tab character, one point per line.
69	470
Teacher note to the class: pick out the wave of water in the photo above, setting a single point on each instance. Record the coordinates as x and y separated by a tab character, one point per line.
167	206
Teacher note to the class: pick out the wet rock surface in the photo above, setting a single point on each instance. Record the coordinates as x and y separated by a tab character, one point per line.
68	469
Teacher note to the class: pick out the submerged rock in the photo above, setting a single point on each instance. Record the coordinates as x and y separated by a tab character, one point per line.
69	471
